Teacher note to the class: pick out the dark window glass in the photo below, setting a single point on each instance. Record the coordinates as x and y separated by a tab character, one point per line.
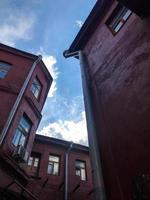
22	131
36	88
118	18
4	68
53	165
80	168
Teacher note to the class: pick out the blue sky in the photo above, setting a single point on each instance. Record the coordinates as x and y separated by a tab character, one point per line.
48	28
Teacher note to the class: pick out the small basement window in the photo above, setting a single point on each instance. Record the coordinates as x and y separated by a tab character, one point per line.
118	18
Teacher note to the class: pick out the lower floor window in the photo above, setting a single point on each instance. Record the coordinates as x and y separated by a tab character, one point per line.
33	165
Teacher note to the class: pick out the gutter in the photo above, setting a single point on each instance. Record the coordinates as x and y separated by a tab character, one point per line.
66	169
18	100
98	181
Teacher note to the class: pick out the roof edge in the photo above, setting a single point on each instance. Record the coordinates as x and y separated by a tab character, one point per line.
46	139
89	26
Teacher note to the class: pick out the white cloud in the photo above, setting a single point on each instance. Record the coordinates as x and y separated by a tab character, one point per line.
68	130
79	23
16	27
50	62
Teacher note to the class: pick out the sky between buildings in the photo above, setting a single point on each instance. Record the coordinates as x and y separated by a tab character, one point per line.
48	27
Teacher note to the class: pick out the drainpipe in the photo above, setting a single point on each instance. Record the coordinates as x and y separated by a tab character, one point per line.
98	181
66	169
19	97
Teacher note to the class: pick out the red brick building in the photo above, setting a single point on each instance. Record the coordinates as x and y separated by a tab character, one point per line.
47	167
114	49
24	85
34	167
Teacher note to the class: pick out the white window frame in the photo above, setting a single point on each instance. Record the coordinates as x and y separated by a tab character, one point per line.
53	165
80	169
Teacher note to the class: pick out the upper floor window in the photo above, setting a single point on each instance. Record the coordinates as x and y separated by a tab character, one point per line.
53	165
36	88
80	168
4	68
22	131
33	164
118	18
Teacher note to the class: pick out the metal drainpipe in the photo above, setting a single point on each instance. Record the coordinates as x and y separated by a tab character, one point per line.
99	188
66	169
19	97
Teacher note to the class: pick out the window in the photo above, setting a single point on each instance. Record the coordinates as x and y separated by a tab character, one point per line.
36	88
4	68
118	18
33	161
33	164
22	131
80	167
53	165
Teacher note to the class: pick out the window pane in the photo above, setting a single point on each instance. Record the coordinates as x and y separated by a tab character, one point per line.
50	169
36	162
83	175
2	74
22	140
23	128
54	158
36	88
80	164
118	27
4	68
36	93
30	161
127	14
56	169
78	172
16	137
25	124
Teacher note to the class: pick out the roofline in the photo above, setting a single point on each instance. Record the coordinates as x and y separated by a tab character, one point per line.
18	51
63	143
89	26
27	55
140	7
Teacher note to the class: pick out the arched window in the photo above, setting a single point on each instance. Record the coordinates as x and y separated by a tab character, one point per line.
4	68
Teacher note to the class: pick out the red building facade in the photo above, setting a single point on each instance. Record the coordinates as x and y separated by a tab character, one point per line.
24	85
34	167
116	44
47	167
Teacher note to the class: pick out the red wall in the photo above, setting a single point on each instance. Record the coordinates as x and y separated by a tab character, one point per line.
119	70
53	188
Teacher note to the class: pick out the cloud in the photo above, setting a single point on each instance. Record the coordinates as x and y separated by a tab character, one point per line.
67	130
79	23
16	27
50	62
